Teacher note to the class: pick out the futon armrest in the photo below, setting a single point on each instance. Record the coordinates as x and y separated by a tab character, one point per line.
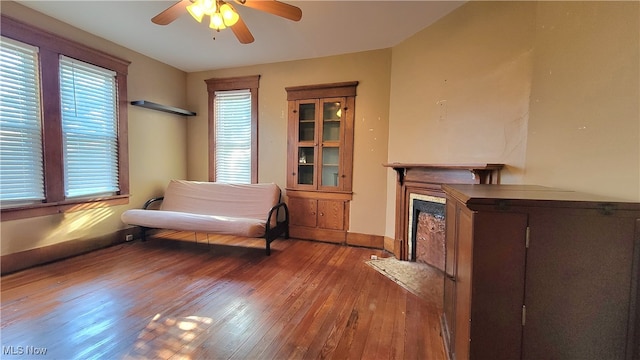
276	209
151	201
280	228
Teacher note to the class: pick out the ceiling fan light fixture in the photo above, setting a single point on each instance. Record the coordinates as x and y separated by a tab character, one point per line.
209	6
217	22
196	10
229	15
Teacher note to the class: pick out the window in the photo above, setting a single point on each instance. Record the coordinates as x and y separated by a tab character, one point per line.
63	124
89	129
233	136
21	165
233	124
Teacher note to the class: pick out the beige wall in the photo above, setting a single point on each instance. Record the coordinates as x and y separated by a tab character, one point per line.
584	128
550	89
157	144
371	69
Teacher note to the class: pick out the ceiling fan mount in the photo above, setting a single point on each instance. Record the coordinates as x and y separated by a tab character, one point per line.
223	15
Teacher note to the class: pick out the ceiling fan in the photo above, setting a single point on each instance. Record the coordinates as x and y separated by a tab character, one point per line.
222	14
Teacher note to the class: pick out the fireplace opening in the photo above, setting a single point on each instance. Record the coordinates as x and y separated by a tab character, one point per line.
427	230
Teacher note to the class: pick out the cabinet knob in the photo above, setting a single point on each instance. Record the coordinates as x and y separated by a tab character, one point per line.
294	174
321	214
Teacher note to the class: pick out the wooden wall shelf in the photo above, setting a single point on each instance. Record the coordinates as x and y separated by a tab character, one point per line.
164	108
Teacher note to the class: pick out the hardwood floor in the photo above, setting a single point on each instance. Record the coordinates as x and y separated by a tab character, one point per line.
167	299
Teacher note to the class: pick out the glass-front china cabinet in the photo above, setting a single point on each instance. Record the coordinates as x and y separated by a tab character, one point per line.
320	159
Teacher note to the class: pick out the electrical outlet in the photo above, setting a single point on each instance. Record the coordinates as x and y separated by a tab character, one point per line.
128	237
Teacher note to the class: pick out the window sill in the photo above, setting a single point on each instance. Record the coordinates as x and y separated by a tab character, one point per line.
29	211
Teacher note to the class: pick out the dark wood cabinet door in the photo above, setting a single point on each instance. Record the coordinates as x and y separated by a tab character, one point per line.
499	258
449	299
450	253
580	277
464	277
489	284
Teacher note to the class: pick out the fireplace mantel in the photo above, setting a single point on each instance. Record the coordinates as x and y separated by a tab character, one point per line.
427	179
448	173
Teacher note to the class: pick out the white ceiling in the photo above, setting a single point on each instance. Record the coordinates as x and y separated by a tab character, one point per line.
327	28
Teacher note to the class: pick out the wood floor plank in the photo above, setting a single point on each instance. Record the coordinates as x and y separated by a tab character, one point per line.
336	327
376	339
281	293
286	296
308	326
298	305
186	295
334	312
397	336
369	308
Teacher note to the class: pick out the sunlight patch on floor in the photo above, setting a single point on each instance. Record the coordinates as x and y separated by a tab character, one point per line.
170	337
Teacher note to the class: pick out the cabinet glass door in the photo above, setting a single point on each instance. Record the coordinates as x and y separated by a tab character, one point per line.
305	165
306	122
306	143
331	133
331	120
330	166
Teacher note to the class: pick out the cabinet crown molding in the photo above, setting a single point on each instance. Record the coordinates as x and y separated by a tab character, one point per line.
341	89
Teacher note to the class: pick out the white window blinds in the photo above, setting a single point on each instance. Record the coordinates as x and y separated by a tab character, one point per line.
233	136
21	162
89	128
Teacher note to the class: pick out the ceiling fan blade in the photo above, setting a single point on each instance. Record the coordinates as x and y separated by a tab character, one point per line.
276	8
241	31
171	13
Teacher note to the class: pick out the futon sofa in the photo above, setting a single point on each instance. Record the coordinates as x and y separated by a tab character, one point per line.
249	210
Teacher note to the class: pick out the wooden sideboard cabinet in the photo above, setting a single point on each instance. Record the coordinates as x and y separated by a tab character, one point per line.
320	159
540	273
